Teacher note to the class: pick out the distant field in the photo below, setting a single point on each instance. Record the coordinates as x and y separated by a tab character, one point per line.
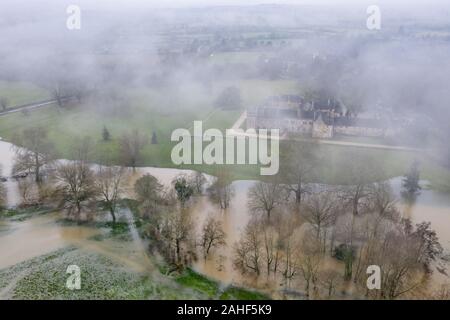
20	93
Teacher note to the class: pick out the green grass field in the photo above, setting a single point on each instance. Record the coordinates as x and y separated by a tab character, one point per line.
164	110
20	93
160	111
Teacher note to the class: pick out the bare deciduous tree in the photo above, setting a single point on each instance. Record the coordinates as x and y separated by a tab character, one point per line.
382	198
300	162
131	145
309	264
34	153
76	187
148	192
221	191
27	192
4	102
320	212
330	280
248	250
360	176
212	236
176	234
109	186
264	198
198	180
2	194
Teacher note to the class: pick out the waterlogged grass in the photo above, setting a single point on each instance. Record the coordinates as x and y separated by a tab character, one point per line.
234	293
45	278
200	283
191	279
118	231
22	214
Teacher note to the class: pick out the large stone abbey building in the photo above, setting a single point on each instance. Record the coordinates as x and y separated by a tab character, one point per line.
320	119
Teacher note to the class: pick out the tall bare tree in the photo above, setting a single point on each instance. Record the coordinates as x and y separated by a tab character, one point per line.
248	250
330	280
382	198
109	186
4	102
34	153
198	180
309	264
221	191
320	212
131	145
359	176
76	186
298	169
148	192
176	235
212	236
264	198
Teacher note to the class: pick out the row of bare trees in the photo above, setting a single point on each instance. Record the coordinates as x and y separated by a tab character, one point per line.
169	224
35	152
354	226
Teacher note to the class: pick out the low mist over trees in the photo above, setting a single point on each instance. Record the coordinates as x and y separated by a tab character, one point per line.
410	183
212	236
76	188
148	192
183	188
299	160
221	190
4	103
131	145
109	185
264	198
34	153
229	99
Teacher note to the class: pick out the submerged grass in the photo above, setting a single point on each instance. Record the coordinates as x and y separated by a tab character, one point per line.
22	214
192	279
235	293
101	278
202	284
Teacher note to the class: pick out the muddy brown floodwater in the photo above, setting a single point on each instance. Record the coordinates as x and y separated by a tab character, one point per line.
23	240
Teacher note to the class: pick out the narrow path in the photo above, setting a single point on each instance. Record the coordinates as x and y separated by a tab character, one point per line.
32	106
139	244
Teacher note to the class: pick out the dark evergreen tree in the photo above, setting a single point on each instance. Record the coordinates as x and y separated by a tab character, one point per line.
154	139
105	134
411	180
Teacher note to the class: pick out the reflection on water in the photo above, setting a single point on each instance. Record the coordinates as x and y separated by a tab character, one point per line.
429	206
234	219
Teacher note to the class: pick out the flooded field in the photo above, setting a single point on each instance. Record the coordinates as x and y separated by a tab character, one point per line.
21	241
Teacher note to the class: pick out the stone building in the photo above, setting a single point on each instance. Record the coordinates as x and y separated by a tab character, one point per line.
320	119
